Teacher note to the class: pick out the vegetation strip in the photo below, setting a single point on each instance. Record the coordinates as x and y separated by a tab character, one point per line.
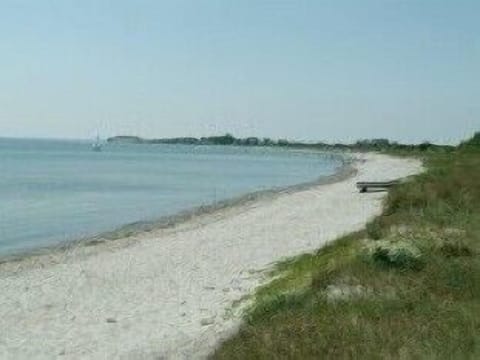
228	139
408	286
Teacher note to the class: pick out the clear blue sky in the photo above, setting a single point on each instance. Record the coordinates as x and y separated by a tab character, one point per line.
332	70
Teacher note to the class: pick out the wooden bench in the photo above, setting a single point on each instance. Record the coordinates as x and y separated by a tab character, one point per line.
363	186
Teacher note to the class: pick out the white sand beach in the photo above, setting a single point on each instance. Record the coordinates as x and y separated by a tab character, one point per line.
169	293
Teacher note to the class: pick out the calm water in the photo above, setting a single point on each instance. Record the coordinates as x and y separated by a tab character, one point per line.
56	191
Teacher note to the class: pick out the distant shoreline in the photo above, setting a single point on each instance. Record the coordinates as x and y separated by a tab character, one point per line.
379	144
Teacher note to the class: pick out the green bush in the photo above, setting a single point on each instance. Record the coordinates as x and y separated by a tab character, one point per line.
393	253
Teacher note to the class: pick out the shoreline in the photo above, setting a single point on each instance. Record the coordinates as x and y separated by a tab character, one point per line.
137	228
172	293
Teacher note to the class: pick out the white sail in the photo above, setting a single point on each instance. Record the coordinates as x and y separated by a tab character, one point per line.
97	145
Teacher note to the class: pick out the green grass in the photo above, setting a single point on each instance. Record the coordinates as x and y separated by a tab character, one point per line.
416	271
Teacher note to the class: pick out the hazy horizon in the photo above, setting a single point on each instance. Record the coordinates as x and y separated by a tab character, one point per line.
90	139
331	71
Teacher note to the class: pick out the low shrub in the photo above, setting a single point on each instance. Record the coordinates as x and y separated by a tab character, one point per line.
393	253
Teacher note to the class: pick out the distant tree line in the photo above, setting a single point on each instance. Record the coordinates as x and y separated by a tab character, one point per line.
228	139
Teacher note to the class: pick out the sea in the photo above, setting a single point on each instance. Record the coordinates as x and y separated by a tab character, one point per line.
56	191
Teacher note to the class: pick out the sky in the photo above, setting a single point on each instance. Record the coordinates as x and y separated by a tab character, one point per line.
320	70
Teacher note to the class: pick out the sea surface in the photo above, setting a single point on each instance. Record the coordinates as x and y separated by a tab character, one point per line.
55	191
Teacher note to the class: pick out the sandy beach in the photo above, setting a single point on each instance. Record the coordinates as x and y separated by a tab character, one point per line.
169	293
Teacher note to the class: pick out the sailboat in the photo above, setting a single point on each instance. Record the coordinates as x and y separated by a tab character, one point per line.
97	145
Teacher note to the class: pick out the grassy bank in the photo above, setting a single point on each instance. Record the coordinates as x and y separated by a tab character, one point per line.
408	286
